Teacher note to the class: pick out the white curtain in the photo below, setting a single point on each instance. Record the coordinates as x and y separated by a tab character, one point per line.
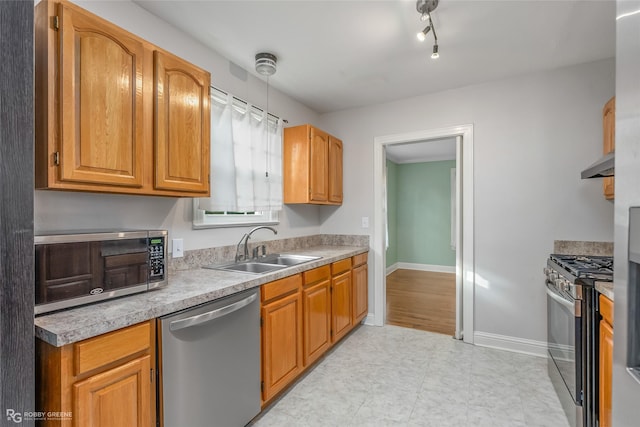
246	158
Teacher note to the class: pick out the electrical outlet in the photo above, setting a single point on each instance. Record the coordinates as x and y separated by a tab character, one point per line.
365	222
178	248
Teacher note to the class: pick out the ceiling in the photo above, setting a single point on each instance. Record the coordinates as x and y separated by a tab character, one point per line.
422	151
338	54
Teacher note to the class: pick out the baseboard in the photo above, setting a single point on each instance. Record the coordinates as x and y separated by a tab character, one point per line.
516	345
421	267
369	320
392	268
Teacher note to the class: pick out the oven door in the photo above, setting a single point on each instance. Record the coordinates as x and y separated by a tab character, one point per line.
564	333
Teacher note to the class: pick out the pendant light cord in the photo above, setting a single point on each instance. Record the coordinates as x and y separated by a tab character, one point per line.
266	117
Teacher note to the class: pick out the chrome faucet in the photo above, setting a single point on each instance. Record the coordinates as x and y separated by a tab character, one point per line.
245	241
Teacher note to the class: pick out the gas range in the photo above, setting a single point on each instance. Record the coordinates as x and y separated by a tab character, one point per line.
572	332
565	271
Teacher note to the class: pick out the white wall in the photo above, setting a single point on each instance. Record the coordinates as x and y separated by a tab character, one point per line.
532	136
58	210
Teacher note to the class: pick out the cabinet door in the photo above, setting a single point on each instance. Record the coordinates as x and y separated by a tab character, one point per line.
316	302
609	142
281	343
319	166
182	121
341	305
335	170
360	293
605	375
118	397
101	113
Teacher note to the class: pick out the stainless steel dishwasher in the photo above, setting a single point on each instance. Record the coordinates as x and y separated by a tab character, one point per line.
210	363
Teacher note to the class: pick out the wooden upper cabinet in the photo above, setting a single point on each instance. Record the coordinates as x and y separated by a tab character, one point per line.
312	166
94	118
609	142
319	166
101	102
335	170
182	113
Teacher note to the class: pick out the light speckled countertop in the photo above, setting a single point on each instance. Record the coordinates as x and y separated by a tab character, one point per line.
605	288
186	289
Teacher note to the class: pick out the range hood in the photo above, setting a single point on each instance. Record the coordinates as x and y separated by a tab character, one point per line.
602	168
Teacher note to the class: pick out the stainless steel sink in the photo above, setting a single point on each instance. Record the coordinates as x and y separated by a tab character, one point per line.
248	267
265	264
287	259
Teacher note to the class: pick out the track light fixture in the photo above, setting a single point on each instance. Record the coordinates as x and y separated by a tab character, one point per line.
424	8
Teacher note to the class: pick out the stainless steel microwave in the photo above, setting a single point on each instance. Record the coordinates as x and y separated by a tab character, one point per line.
80	268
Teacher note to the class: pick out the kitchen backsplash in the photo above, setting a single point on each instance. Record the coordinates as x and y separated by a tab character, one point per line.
223	254
571	247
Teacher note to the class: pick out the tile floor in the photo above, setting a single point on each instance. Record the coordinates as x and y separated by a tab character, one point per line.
393	376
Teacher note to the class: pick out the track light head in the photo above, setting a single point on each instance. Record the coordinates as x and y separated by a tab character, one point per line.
435	54
422	35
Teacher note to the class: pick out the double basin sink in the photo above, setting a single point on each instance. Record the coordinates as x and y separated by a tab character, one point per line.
265	264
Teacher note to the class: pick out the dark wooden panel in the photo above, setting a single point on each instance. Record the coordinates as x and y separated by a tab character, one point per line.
17	383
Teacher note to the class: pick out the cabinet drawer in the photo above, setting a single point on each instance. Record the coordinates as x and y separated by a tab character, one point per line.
105	349
360	259
281	287
316	275
606	309
340	266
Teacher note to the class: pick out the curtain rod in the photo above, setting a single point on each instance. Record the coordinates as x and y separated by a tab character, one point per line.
245	102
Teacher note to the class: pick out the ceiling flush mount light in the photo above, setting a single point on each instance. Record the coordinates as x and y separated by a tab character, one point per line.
424	8
266	63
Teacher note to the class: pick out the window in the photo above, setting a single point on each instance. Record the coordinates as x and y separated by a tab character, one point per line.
246	166
210	219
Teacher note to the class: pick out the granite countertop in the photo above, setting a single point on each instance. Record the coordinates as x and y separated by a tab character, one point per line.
186	288
605	288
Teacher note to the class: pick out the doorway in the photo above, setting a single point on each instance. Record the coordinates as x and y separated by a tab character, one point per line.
421	205
464	268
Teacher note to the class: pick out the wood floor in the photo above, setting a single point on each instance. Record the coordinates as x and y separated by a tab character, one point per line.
422	300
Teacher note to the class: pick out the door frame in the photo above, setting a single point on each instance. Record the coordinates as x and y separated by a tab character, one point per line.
465	263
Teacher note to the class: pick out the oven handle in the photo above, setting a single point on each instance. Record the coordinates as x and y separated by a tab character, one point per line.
573	306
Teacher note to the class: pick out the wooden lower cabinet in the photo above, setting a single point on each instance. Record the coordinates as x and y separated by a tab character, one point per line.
105	381
117	397
605	361
360	294
304	315
316	305
281	334
340	299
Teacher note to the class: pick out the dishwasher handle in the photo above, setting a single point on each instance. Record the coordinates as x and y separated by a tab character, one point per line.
211	315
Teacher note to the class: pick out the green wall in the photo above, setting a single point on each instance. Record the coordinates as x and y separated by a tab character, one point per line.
421	213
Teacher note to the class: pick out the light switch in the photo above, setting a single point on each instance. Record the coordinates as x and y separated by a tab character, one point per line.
365	222
178	248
